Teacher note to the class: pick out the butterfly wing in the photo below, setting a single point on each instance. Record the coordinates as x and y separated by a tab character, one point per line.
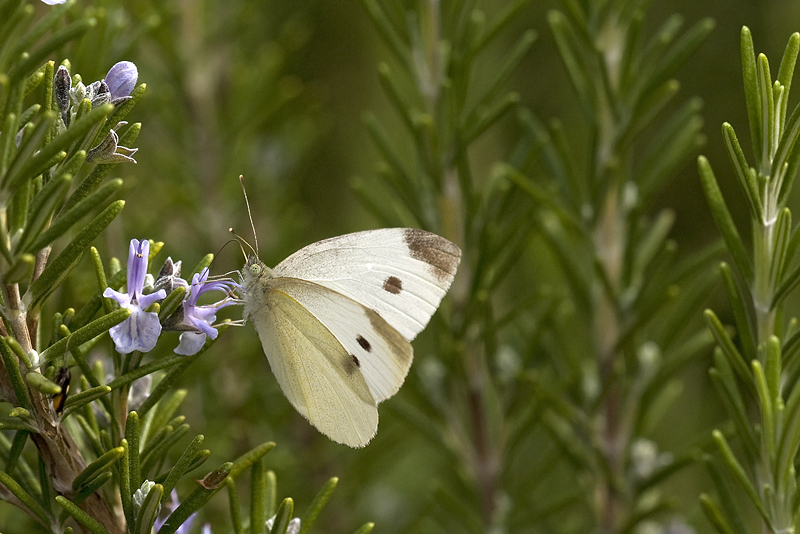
381	354
318	376
401	273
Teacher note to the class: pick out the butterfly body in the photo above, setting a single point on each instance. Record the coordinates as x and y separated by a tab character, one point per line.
336	319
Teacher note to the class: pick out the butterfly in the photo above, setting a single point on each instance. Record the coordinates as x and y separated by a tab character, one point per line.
336	320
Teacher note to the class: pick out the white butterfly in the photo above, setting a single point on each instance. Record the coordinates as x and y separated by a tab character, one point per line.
336	319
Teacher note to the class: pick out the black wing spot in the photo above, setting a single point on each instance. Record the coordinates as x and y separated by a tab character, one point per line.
364	344
393	285
355	360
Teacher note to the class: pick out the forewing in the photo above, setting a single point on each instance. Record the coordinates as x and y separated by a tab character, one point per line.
315	372
382	355
401	273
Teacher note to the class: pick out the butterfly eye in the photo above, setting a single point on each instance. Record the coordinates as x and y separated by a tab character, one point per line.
255	269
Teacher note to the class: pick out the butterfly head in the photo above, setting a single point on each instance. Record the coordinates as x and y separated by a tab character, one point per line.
255	272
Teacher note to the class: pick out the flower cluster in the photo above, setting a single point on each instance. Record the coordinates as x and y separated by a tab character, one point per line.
142	329
115	89
198	319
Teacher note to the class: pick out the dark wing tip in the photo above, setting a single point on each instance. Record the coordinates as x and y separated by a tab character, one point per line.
441	255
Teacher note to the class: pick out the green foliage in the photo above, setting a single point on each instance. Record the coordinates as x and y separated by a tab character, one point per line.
769	434
618	332
627	293
445	109
557	387
59	144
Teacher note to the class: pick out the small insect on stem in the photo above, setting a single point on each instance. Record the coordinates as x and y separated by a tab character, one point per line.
61	379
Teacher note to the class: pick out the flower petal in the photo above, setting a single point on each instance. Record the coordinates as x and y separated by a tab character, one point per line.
122	299
121	79
137	266
201	318
139	332
146	300
196	289
190	343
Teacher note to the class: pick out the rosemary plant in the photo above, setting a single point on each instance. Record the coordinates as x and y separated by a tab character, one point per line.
618	337
757	376
445	109
540	395
98	458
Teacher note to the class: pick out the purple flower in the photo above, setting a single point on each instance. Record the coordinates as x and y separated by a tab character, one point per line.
200	318
53	2
140	331
121	80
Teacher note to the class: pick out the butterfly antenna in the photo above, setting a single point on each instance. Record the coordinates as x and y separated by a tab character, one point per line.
249	214
236	239
228	242
239	239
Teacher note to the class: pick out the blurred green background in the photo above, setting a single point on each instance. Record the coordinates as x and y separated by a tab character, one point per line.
275	91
